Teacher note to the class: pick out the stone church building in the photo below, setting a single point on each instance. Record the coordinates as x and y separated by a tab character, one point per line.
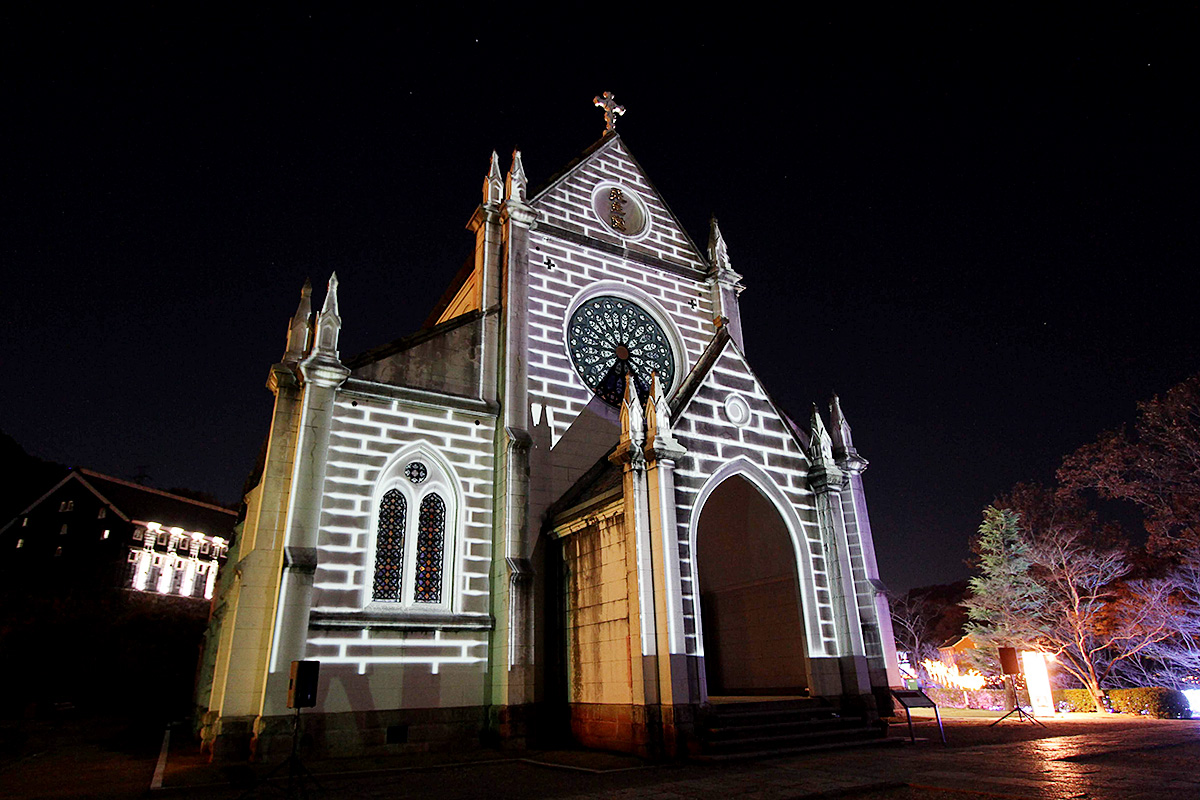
566	504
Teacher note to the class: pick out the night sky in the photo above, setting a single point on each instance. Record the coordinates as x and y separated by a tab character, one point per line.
981	231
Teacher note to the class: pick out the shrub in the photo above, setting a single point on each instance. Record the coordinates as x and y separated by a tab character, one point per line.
987	699
1152	701
946	698
1074	700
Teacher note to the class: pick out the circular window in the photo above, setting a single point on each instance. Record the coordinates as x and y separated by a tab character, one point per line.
611	337
737	410
620	210
416	472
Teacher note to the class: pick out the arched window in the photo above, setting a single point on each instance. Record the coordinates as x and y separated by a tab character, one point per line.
431	536
413	551
389	548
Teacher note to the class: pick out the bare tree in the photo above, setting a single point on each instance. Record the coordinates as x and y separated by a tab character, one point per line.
1079	624
1172	602
913	622
1056	589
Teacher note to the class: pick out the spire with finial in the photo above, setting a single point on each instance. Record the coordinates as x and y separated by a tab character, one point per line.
726	285
611	111
299	329
493	184
329	322
718	256
516	182
718	252
824	475
820	443
633	423
633	430
660	439
843	443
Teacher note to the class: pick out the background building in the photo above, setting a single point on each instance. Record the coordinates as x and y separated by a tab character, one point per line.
110	574
97	531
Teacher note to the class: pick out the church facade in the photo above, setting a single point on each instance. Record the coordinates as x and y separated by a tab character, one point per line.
566	503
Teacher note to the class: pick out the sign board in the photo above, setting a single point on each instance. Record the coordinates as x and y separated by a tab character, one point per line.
1037	680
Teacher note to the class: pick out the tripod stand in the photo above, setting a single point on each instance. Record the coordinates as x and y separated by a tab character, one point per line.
298	775
1022	714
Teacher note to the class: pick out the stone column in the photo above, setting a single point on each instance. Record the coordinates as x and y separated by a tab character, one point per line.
675	692
643	644
513	605
854	504
485	224
323	373
242	660
826	479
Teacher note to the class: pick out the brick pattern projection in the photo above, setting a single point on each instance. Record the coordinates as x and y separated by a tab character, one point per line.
566	214
764	441
389	548
660	270
369	435
864	593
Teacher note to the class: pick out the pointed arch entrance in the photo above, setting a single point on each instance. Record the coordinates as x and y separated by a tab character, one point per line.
750	607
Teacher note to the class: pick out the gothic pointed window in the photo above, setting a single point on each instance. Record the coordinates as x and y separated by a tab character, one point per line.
431	535
414	536
389	548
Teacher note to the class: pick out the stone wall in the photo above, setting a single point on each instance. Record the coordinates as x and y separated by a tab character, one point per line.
597	604
765	444
378	656
573	255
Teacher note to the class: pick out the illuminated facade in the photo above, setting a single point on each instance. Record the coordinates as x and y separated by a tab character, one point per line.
568	497
173	561
99	531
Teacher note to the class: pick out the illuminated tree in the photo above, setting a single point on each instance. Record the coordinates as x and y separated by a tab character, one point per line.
913	620
1053	580
925	618
1173	661
1007	602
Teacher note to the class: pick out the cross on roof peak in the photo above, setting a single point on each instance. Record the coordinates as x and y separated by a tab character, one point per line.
611	110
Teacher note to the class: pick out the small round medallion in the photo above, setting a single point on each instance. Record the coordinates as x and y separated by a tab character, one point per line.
737	410
416	472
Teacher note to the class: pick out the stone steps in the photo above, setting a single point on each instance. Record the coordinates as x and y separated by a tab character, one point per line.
757	729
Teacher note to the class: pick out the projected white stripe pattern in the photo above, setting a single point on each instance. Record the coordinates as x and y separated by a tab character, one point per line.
711	441
864	593
373	648
560	268
366	433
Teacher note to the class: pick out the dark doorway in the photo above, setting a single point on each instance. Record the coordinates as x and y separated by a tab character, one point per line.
749	595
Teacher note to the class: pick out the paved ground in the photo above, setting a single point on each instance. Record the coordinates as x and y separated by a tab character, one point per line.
1076	756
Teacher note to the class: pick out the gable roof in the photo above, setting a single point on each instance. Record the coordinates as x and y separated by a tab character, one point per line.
614	142
603	479
720	342
134	502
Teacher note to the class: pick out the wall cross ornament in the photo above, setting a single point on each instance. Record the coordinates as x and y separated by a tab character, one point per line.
611	110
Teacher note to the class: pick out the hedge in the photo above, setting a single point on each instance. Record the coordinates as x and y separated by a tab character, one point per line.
1152	701
1147	701
1074	700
